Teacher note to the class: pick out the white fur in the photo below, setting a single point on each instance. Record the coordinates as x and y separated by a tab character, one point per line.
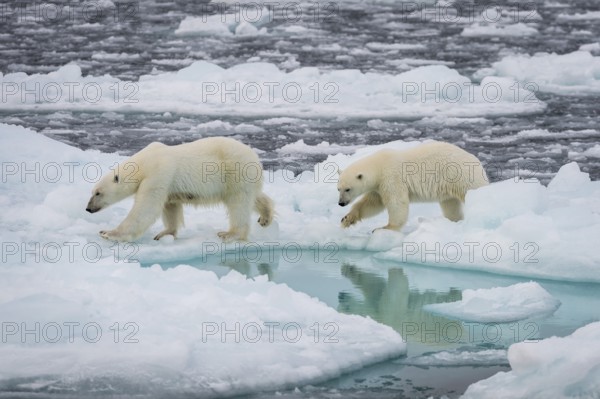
164	178
391	179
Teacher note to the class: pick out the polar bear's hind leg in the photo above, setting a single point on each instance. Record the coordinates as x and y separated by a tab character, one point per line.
239	209
264	206
452	209
172	217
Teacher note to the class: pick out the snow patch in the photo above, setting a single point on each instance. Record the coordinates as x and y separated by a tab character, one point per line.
499	305
574	73
322	148
459	358
246	22
519	29
589	15
172	325
262	89
557	367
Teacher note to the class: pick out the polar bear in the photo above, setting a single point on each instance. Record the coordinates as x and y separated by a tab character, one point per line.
391	179
163	178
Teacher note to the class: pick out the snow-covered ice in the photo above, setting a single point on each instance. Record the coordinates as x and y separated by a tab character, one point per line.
170	355
580	16
484	357
574	73
378	70
322	148
171	326
517	227
262	89
591	47
246	22
593	152
376	46
220	128
557	367
500	304
519	29
172	329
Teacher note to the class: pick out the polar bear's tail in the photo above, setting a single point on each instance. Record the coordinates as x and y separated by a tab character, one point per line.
264	206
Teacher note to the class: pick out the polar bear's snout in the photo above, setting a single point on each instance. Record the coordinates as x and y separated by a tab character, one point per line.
91	207
347	195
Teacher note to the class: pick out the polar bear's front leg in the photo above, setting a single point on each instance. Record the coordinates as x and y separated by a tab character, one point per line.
369	205
146	209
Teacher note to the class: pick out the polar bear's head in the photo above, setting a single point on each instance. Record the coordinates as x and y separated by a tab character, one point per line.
114	187
352	183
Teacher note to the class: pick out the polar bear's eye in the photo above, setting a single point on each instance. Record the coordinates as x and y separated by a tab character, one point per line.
98	193
347	190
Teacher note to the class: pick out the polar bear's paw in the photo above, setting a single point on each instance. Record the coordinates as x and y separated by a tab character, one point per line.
350	219
228	236
112	235
264	221
165	233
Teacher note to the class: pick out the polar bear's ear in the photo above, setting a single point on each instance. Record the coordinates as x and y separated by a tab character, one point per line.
359	177
116	179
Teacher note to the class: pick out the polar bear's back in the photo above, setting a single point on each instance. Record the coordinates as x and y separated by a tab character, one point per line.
436	170
222	149
436	152
204	171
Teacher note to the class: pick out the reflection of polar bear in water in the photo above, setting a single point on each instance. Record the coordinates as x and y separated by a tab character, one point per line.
391	179
204	172
389	300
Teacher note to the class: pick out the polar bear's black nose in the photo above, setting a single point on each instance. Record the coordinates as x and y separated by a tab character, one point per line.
342	204
89	210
